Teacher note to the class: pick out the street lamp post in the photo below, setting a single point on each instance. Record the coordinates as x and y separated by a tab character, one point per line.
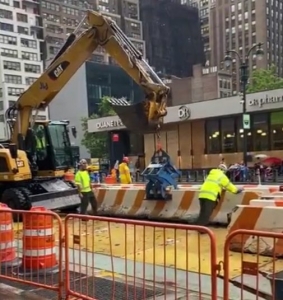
244	76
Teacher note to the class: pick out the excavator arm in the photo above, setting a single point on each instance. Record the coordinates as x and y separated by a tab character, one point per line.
102	31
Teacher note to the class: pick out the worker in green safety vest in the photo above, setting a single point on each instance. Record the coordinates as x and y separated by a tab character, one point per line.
40	142
211	190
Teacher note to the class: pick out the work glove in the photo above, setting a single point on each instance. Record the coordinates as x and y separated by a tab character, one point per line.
239	191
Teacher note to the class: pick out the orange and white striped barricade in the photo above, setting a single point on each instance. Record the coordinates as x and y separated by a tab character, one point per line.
8	255
39	251
258	218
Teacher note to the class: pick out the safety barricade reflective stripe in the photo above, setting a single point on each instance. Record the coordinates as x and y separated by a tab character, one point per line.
39	252
7	245
6	227
38	232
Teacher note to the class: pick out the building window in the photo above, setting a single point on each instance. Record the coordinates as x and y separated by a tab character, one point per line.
28	43
1	105
12	103
6	14
15	91
228	137
240	135
212	137
9	53
29	56
6	27
5	2
12	65
260	132
13	79
30	80
276	128
53	50
23	30
30	68
22	18
16	4
2	118
7	39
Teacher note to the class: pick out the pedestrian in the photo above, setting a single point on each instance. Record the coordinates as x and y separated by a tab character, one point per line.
124	171
83	182
210	192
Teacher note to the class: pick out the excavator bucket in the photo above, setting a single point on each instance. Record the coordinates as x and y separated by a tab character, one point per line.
135	117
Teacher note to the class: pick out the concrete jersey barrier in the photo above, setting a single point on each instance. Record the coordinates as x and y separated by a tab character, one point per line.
263	218
183	206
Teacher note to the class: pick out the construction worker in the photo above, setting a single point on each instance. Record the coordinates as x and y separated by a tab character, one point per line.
124	172
41	151
83	182
211	190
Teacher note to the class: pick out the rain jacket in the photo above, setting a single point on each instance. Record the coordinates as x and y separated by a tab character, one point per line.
124	174
214	183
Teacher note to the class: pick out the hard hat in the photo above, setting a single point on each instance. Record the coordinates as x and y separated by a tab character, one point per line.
223	167
125	159
83	162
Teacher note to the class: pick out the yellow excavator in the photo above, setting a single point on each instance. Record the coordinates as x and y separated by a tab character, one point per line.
33	161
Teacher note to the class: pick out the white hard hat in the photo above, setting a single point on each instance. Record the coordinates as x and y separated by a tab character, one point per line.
222	167
83	162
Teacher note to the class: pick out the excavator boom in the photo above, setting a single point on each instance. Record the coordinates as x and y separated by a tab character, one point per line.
102	31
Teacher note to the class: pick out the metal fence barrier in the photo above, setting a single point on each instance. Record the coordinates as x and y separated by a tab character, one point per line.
31	249
249	176
107	258
139	259
261	277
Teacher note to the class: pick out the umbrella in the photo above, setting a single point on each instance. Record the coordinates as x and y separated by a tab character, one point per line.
261	156
272	161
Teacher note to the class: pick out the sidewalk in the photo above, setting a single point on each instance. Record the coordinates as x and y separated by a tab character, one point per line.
8	292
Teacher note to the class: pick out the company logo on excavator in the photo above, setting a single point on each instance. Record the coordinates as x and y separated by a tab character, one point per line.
56	72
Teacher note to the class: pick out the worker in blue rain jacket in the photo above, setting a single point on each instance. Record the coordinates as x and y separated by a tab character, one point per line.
124	171
211	190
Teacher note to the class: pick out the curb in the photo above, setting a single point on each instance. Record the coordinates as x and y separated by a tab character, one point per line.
9	292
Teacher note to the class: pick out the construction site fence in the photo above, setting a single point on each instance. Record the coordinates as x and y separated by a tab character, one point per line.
93	257
250	175
31	249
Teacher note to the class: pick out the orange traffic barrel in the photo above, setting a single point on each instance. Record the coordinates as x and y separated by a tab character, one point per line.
110	180
39	251
8	253
69	176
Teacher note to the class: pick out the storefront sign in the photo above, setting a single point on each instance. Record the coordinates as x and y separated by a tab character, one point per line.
184	113
109	124
267	100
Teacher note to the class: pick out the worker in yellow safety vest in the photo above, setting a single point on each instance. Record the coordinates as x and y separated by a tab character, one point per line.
211	190
124	172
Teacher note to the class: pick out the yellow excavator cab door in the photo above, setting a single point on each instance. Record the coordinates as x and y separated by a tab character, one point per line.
142	117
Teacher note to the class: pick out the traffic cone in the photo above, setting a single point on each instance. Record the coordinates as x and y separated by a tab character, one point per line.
39	250
8	255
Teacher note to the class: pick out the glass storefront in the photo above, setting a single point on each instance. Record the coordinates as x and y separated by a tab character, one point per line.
225	135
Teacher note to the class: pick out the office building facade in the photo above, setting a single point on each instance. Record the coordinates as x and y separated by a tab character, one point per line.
175	43
61	17
20	47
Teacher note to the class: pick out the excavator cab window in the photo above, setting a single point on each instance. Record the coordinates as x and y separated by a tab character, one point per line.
61	145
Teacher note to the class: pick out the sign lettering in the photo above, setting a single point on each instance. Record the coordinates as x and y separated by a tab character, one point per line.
58	71
184	113
260	102
109	124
